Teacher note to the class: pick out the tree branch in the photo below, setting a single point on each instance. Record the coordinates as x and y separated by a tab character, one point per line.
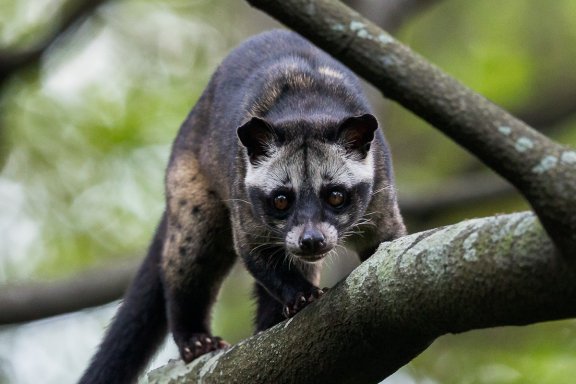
495	271
32	302
541	169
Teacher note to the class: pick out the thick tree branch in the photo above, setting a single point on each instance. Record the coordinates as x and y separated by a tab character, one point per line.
40	300
480	273
541	169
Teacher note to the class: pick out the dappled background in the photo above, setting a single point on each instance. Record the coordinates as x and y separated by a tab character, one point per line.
86	125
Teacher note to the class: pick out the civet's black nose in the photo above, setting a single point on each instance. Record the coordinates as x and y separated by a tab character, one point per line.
312	241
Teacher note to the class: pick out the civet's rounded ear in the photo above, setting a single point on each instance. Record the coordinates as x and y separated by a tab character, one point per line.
356	134
257	135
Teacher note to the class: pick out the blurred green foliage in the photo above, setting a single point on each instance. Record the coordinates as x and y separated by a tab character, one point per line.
89	131
541	353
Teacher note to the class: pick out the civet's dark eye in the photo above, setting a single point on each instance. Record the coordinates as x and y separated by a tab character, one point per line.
336	198
281	202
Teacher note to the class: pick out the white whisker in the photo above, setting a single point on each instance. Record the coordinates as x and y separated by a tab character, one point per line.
386	187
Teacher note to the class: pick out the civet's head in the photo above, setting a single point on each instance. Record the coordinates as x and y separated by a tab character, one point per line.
309	181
